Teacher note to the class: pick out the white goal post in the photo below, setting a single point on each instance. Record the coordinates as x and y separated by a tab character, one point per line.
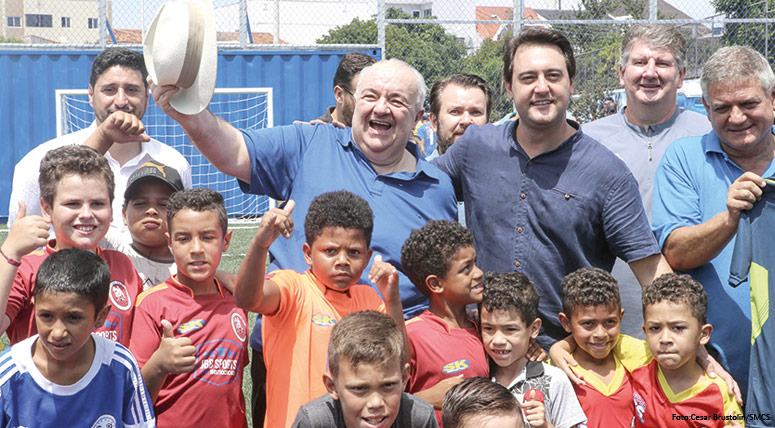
245	108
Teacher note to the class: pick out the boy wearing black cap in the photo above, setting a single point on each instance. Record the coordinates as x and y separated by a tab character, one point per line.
145	213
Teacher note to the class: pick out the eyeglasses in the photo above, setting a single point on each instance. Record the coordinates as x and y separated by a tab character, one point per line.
348	91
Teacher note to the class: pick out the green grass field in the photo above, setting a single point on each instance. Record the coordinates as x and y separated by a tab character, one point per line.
242	233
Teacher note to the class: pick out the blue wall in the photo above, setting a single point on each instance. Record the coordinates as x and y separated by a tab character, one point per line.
301	82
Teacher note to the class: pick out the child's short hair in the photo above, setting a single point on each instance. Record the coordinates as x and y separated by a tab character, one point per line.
338	209
73	160
365	337
429	250
75	270
511	291
477	396
199	199
589	286
677	289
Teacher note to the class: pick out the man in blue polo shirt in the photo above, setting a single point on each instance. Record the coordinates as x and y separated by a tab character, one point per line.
651	70
541	197
373	160
703	185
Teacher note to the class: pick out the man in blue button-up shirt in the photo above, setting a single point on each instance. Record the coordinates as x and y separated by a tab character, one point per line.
541	197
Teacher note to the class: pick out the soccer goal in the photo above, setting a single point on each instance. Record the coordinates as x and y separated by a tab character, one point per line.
245	108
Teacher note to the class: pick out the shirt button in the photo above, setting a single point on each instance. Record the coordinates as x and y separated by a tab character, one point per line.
519	229
523	196
517	264
530	163
567	196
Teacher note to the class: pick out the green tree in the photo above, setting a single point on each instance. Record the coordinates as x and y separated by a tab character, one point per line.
427	47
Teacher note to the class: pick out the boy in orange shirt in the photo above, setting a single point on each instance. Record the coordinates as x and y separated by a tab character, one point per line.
300	308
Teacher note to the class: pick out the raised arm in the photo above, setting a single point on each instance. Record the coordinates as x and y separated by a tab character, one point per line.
118	127
688	247
26	234
219	142
385	277
252	292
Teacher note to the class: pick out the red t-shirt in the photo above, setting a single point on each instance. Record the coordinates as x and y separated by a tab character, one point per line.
657	406
606	405
212	392
439	352
124	286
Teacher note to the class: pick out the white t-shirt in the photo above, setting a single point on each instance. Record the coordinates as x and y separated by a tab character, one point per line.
25	186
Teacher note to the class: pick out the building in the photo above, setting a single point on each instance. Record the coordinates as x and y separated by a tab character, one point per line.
52	21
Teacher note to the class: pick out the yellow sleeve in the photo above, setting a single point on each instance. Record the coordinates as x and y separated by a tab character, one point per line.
632	352
730	404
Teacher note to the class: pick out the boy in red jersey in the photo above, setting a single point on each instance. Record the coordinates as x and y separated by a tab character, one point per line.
200	333
301	308
673	390
76	188
440	259
592	314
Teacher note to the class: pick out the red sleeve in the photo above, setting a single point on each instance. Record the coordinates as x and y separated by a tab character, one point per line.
146	335
21	290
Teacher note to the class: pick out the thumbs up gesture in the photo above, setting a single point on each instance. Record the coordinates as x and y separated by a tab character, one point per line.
176	355
26	234
274	223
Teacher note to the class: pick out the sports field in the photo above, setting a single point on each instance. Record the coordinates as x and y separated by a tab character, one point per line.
242	233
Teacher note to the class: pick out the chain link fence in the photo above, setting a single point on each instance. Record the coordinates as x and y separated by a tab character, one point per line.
438	37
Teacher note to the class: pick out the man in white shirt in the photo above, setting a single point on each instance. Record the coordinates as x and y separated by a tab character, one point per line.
118	93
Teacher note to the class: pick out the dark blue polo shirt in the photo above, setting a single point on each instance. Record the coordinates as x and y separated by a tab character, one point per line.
577	205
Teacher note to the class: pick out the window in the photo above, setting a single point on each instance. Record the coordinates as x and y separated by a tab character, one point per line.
37	20
93	23
426	13
65	22
416	13
14	21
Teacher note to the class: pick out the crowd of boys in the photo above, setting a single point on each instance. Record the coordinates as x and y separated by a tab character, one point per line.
150	333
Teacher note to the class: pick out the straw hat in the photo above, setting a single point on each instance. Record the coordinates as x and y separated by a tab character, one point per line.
180	49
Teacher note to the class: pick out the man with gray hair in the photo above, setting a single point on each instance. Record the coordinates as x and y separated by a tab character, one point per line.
374	159
692	220
652	68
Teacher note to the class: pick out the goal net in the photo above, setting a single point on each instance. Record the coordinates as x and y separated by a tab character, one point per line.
245	108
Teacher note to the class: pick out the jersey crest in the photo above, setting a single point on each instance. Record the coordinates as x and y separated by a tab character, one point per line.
119	296
239	326
105	421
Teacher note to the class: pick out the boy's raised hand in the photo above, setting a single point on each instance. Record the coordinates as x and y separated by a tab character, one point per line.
385	277
176	354
533	406
26	234
274	223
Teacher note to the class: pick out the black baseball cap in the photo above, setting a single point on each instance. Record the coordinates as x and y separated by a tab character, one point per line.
153	171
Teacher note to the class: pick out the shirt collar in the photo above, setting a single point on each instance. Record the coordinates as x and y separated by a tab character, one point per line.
423	166
173	281
713	144
323	287
511	129
651	129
